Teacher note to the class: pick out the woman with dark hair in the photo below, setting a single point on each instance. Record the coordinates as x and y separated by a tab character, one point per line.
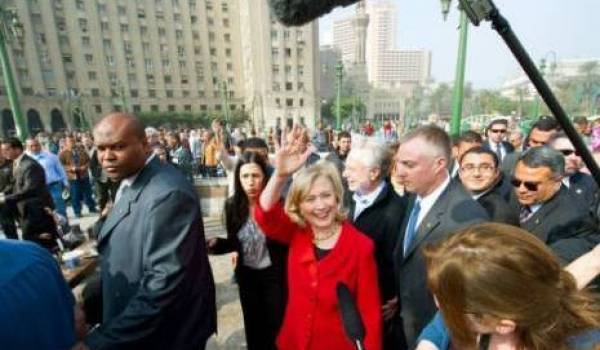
499	287
261	267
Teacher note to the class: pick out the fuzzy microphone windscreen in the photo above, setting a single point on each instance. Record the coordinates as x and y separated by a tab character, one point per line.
300	12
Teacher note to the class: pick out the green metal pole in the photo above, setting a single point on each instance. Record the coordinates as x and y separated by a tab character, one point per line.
11	90
459	79
339	73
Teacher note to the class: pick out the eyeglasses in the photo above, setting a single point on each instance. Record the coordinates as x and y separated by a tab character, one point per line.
484	168
529	185
568	152
498	131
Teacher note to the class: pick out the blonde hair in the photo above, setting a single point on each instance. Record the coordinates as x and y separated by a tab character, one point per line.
302	184
494	272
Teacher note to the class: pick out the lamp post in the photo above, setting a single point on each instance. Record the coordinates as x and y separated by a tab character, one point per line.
11	28
339	74
459	78
537	105
224	100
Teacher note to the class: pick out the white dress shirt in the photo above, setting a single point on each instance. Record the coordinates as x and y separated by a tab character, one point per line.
362	202
428	201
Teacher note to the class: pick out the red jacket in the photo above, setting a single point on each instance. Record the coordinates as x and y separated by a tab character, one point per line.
312	320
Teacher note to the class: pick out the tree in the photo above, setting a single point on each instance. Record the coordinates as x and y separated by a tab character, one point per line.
351	107
192	120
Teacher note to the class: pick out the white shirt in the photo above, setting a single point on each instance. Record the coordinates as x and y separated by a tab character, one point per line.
362	202
428	201
493	147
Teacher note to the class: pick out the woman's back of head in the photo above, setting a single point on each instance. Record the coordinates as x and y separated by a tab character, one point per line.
493	272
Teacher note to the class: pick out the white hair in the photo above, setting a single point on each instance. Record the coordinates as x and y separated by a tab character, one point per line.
371	154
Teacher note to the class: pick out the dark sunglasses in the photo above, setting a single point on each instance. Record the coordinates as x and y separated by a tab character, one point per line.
568	152
529	185
496	131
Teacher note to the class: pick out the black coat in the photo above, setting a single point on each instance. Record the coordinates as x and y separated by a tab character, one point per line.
508	147
157	285
381	222
30	196
583	186
565	224
454	210
498	207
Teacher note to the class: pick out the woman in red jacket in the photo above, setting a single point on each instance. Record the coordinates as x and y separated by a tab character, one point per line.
324	249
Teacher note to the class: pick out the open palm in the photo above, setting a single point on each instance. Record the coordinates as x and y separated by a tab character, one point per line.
292	154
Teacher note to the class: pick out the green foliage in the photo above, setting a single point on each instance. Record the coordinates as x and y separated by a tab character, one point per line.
191	120
350	106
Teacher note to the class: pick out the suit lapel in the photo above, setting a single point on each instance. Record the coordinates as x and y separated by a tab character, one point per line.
430	221
124	204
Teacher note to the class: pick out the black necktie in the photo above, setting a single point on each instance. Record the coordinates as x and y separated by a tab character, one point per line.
524	214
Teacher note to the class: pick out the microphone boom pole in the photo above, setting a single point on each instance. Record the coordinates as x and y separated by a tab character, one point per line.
478	10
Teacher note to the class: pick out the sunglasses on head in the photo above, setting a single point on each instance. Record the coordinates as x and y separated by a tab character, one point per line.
529	185
496	131
568	152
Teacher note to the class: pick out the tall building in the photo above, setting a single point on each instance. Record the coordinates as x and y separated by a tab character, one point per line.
281	68
329	57
387	66
81	59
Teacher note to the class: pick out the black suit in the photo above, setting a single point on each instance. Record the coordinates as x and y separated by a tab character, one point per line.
584	187
506	146
565	225
498	207
453	210
380	221
157	286
30	196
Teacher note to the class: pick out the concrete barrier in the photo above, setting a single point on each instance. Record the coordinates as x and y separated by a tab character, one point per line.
212	192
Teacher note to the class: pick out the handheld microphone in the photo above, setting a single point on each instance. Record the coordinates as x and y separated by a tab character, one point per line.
353	325
300	12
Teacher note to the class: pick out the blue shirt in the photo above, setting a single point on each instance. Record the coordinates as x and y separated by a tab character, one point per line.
36	305
52	167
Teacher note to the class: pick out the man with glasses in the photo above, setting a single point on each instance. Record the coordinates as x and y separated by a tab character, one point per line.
496	139
580	184
480	175
547	209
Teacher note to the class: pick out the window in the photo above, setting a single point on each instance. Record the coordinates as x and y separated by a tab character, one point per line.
228	52
181	51
143	30
203	107
227	37
289	102
288	52
92	75
187	108
154	108
107	44
80	5
137	108
211	36
162	32
148	64
288	69
83	25
210	21
168	79
104	26
150	79
213	51
229	66
179	34
85	41
276	86
182	65
197	50
286	34
146	48
300	86
95	92
122	10
300	70
89	59
166	64
195	34
301	102
186	93
110	61
170	93
98	108
172	108
134	93
151	93
273	34
289	86
226	22
224	7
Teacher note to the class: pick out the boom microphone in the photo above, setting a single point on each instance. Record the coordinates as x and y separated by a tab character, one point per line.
355	330
300	12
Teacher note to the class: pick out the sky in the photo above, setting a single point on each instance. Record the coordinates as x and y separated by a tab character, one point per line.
569	28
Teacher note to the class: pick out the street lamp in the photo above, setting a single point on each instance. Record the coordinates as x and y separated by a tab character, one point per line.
339	74
459	78
224	100
537	105
11	29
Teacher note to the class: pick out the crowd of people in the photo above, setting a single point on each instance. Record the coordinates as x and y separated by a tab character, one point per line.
485	240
